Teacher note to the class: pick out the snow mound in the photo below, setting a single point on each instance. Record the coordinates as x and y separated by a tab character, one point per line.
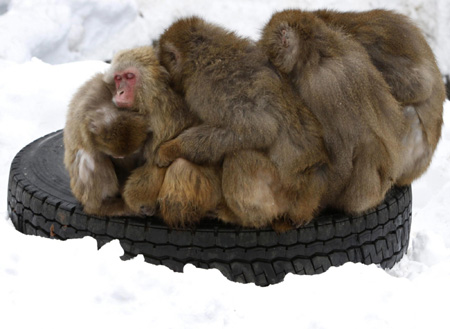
63	31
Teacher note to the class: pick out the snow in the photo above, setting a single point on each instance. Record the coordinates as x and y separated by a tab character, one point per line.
48	49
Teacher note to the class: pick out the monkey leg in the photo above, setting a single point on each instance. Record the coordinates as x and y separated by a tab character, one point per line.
417	151
225	214
424	125
250	185
110	206
372	176
142	187
302	200
94	183
188	193
409	83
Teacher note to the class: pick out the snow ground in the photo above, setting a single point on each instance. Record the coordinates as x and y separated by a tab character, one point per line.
52	284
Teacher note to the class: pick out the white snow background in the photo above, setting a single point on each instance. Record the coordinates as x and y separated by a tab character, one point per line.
48	48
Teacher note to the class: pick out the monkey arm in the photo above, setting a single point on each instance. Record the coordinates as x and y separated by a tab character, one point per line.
200	144
207	144
94	183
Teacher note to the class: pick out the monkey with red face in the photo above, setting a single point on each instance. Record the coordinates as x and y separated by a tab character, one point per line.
118	120
102	146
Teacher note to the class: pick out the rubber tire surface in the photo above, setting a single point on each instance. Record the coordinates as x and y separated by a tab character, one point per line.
40	203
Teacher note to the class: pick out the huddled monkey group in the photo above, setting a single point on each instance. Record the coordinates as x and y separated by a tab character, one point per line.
326	110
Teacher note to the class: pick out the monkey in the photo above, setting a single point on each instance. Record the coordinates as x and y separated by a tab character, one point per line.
184	192
121	135
270	146
398	49
363	123
189	193
133	98
102	146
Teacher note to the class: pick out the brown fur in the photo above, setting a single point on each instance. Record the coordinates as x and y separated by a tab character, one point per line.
102	146
189	193
157	110
400	52
363	123
180	203
269	143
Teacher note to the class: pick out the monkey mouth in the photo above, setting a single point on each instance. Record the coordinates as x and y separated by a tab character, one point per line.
122	104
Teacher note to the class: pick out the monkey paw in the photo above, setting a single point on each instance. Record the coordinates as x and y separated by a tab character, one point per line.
142	208
167	153
282	225
147	210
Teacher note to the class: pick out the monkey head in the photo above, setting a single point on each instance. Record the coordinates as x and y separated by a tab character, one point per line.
289	39
116	132
182	44
134	76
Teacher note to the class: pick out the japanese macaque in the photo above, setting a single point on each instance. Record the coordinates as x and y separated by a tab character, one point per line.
131	108
102	146
398	50
363	123
282	159
269	144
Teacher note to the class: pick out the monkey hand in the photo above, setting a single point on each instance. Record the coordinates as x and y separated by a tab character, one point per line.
167	153
141	189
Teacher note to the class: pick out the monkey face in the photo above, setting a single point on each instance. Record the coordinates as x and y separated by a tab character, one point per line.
126	82
131	78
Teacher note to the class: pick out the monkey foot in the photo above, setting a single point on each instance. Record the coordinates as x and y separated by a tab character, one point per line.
147	211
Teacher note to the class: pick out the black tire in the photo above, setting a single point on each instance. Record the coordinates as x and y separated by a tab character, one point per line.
40	203
447	85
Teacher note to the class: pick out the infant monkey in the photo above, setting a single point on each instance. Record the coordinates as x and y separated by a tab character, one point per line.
102	146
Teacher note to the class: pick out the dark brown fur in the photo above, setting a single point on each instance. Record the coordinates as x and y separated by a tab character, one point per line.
269	143
363	123
400	52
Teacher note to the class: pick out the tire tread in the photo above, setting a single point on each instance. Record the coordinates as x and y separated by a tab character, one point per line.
380	236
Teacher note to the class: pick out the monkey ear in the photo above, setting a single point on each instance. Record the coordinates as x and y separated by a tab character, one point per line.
286	51
108	76
164	74
93	128
173	54
286	35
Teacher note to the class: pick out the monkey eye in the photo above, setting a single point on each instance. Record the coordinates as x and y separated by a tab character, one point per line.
117	77
129	76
